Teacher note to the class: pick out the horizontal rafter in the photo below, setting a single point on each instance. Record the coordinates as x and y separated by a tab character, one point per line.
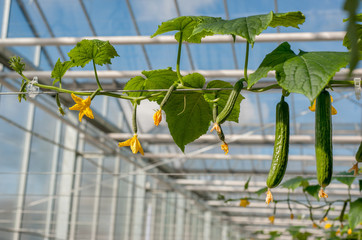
170	39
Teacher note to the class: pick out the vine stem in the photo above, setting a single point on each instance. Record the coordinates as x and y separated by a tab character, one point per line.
179	59
246	62
134	117
96	75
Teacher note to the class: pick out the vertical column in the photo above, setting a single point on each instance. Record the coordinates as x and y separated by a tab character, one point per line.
112	222
76	186
66	183
128	205
23	173
153	201
98	184
180	218
224	231
171	215
207	225
52	180
97	194
139	202
5	22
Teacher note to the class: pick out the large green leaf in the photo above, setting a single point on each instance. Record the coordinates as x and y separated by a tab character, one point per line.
272	61
296	182
223	96
195	80
313	190
345	180
251	26
309	72
186	25
289	19
246	27
156	79
101	52
187	120
355	213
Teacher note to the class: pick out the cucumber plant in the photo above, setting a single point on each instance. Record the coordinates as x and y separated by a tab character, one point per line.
189	105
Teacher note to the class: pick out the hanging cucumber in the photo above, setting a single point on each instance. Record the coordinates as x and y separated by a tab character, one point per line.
323	141
226	111
281	148
281	145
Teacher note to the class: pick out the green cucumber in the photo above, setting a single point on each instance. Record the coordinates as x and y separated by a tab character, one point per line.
226	111
281	145
359	153
323	139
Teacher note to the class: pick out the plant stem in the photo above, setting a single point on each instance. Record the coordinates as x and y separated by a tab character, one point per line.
134	117
179	59
96	75
246	61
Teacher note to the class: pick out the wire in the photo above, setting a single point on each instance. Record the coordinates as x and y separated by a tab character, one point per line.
126	91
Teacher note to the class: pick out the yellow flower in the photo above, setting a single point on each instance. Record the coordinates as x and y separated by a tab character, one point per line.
349	232
271	219
338	231
315	225
157	117
327	226
334	111
324	219
244	202
133	143
225	147
216	127
355	169
322	194
82	105
269	197
291	216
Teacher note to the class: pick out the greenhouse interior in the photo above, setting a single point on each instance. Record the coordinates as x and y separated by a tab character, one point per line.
180	119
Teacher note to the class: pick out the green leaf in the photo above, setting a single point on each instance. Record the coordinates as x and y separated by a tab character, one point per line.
60	69
251	26
17	64
309	72
296	182
345	180
246	185
261	191
187	120
156	79
352	32
186	25
355	213
289	19
220	197
101	52
246	27
313	190
223	96
272	61
195	80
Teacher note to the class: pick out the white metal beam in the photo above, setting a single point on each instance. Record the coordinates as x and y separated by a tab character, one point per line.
109	74
170	39
237	139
